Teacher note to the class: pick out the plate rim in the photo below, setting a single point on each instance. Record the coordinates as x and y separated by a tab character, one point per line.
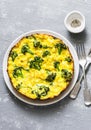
23	98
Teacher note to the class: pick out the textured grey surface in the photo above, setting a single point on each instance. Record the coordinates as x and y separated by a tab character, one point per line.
17	17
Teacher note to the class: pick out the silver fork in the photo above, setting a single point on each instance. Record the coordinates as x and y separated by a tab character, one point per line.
82	61
77	86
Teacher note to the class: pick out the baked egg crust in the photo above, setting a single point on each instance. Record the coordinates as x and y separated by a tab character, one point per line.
40	66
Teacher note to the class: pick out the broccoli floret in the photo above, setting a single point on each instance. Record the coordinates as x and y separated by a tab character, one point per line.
31	37
68	59
37	44
17	72
51	77
45	46
36	93
38	59
47	71
26	49
56	65
36	63
66	74
13	55
45	53
18	86
41	91
60	47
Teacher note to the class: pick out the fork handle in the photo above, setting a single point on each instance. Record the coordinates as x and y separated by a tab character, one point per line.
75	90
77	86
87	96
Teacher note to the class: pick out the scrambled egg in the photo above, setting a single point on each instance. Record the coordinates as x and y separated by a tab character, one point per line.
40	66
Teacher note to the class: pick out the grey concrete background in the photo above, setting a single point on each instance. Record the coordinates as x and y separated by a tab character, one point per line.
17	17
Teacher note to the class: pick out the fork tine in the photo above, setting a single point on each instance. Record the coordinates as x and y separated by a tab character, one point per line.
89	52
83	51
78	49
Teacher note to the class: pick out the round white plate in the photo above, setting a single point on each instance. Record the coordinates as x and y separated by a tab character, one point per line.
49	101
